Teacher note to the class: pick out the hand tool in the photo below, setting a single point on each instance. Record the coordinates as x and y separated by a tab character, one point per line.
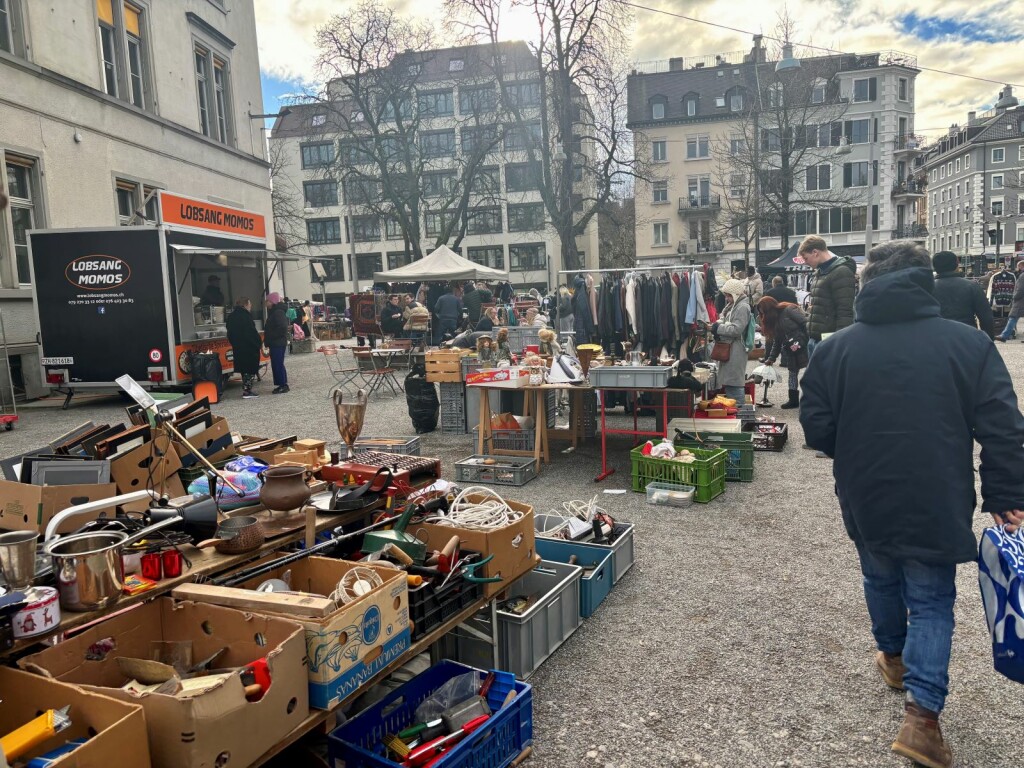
35	732
422	756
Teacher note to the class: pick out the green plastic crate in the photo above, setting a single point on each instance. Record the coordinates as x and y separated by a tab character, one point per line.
706	474
739	448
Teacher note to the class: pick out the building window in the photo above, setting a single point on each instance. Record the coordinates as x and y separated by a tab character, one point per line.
361	191
660	192
437	143
522	177
320	194
858	131
483	221
486	181
819	177
480	139
903	89
942	171
438	183
998	155
967	162
865	89
737	145
527	257
697	147
122	49
438	222
456	65
334	270
659	151
134	198
523	94
477	100
855	174
365	229
997	181
997	207
323	231
398	259
520	137
720	102
658	110
319	155
213	94
493	257
736	102
8	27
775	95
23	201
661	233
367	264
526	218
691	106
818	92
436	104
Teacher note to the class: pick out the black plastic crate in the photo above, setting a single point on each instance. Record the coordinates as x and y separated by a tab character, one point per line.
430	606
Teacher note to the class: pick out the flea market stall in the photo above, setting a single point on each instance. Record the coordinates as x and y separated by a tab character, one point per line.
143	299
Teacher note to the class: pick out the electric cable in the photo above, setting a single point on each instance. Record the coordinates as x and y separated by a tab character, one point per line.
486	512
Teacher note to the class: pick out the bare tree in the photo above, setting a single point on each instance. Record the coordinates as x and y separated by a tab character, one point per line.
576	136
786	141
617	234
740	213
286	203
398	164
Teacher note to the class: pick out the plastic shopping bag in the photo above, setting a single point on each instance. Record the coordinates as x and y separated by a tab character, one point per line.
1001	578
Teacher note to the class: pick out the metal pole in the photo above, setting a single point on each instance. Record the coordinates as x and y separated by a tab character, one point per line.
871	186
353	262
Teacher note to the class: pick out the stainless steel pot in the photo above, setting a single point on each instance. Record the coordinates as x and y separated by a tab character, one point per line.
89	567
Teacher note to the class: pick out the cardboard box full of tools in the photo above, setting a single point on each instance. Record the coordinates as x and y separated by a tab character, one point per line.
346	645
211	726
512	546
114	732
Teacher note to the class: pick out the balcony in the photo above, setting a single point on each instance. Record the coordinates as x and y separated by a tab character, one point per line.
911	232
907	188
908	144
707	204
694	247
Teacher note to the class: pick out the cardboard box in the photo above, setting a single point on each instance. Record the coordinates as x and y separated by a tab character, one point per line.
140	467
310	459
513	546
508	378
267	457
352	644
309	444
116	731
217	727
26	507
211	442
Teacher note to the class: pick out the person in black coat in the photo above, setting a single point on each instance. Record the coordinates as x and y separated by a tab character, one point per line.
960	299
784	325
391	317
275	336
245	344
781	292
897	400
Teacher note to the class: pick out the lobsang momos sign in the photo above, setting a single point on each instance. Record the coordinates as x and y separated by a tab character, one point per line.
192	214
97	272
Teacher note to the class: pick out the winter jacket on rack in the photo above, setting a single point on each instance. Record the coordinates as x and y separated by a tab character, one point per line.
582	323
832	295
904	466
963	301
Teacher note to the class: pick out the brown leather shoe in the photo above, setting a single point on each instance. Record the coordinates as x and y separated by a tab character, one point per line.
920	739
892	669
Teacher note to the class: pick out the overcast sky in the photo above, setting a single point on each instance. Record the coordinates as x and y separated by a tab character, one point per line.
976	37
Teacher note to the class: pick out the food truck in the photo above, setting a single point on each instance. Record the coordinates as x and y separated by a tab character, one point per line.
140	299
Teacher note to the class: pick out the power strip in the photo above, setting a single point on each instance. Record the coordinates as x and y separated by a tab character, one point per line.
578	529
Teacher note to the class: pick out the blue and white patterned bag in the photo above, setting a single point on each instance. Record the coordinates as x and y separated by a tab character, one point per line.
1001	577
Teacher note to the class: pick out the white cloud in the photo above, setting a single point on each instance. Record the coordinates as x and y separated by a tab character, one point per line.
286	34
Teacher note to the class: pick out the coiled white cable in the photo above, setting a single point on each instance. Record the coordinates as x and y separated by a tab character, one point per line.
485	512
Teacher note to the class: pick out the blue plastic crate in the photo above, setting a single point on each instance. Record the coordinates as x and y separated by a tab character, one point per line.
495	745
597	583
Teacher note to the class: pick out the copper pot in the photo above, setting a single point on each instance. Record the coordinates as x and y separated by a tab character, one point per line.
236	535
284	488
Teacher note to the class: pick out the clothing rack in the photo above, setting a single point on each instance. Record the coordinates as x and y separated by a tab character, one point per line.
662	268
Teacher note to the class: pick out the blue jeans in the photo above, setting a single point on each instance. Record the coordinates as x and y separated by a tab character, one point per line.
277	366
911	609
1011	326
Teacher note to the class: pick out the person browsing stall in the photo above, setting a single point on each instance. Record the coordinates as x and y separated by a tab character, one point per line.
245	345
960	299
275	336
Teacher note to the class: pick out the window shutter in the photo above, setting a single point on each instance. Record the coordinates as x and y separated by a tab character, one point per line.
105	11
847	174
873	89
131	20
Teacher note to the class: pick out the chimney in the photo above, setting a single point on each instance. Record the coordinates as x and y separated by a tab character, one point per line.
971	117
676	64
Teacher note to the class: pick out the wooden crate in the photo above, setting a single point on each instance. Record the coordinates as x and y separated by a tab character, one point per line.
444	366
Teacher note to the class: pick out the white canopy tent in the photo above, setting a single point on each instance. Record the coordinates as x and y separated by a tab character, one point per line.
442	264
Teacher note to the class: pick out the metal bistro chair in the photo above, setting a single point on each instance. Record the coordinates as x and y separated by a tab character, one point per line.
376	373
343	374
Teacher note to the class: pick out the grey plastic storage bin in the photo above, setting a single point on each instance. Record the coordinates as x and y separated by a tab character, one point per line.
623	549
630	376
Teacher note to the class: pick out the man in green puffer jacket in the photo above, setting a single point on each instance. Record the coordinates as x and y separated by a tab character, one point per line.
833	291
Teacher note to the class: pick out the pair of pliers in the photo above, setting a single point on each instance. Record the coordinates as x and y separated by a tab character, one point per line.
469	570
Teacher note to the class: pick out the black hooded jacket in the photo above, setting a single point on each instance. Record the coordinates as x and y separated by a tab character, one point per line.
898	399
961	300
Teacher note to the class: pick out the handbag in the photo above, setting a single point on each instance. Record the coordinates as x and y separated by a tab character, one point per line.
721	351
1001	578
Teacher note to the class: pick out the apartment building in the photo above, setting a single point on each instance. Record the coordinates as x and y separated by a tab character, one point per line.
976	183
105	101
854	135
347	226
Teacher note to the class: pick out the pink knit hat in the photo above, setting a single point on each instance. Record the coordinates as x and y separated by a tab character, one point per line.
274	298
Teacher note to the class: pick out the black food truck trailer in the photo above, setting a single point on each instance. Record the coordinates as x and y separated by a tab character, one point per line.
141	299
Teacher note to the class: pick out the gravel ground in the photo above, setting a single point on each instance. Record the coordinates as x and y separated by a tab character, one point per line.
739	638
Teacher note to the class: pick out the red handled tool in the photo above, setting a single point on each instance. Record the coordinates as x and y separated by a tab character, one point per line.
256	675
425	756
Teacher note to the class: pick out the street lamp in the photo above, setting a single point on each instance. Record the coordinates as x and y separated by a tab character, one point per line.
285	111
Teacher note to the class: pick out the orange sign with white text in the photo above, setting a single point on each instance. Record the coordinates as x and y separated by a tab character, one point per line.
187	212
